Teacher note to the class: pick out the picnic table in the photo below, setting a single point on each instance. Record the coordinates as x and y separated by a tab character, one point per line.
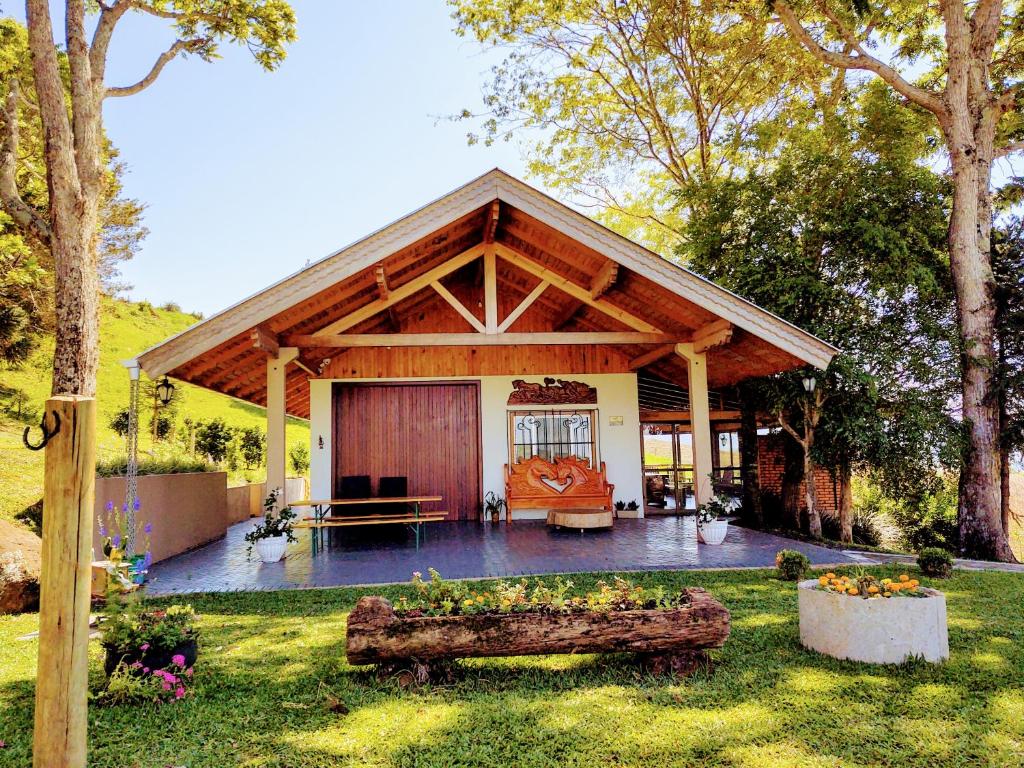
320	521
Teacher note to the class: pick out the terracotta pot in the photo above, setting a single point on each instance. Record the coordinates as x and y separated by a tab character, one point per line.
272	548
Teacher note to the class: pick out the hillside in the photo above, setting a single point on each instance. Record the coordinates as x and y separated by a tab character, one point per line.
125	330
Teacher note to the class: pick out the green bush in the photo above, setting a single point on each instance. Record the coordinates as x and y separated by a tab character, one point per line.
866	527
252	444
299	456
792	565
927	519
117	466
212	439
935	562
119	422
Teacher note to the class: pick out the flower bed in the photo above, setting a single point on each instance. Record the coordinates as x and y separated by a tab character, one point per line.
879	621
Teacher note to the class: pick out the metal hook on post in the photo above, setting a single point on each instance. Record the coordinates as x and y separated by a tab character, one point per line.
47	433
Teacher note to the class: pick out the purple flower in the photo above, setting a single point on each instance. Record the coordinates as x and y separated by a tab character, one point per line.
136	505
144	647
110	506
147	560
116	541
103	529
124	507
148	527
178	659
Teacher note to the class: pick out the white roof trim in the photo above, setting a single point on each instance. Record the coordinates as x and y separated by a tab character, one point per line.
496	184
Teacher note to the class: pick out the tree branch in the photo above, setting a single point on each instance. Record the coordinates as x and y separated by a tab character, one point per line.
861	61
786	426
1007	149
23	214
161	62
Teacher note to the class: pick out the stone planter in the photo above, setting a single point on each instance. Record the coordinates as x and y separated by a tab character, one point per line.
876	631
713	532
272	548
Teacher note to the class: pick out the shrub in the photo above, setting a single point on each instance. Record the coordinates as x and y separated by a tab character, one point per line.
251	445
119	422
164	426
299	457
927	519
935	562
117	466
867	528
171	306
791	565
212	439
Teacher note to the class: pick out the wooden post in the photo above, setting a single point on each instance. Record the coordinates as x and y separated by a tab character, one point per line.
700	422
62	678
276	420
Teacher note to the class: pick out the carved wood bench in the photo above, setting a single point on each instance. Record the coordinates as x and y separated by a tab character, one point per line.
566	483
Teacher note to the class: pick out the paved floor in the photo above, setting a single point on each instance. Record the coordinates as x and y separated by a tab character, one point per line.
469	550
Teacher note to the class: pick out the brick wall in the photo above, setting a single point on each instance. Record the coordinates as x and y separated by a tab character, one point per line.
771	463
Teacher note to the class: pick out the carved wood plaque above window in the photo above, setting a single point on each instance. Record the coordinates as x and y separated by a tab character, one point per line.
552	392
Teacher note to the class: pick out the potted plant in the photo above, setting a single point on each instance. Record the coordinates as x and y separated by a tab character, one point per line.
151	639
620	506
272	536
712	520
493	505
633	506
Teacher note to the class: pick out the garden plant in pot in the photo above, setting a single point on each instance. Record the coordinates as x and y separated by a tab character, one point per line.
493	505
149	639
272	536
713	520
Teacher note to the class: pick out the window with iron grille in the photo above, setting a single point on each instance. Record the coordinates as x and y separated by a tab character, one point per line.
552	434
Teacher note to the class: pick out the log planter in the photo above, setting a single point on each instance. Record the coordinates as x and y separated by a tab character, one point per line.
674	640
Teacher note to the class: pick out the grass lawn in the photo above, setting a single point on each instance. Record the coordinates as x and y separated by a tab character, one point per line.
271	663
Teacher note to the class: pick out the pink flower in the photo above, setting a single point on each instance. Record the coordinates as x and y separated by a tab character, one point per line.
166	686
144	647
178	660
188	672
179	692
2	743
146	670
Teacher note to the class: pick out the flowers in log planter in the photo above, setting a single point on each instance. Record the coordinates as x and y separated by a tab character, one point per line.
437	597
867	586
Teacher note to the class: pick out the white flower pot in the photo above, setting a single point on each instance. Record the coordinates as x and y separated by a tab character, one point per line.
713	532
877	631
271	549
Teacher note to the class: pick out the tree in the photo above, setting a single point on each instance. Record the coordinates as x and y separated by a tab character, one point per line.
252	445
26	266
633	99
70	112
970	84
212	439
841	231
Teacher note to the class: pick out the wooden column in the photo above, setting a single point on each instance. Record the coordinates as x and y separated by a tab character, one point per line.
62	680
276	453
700	421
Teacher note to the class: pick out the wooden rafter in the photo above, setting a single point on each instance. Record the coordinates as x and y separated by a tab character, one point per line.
383	290
477	339
567	314
651	357
458	306
524	305
604	279
576	291
264	340
490	290
403	291
491	227
714	334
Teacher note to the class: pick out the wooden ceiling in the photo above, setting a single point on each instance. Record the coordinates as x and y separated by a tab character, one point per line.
587	292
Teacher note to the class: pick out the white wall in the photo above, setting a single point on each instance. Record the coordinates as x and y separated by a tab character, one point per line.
618	445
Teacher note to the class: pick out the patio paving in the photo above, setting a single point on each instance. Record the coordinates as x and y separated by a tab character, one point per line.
473	550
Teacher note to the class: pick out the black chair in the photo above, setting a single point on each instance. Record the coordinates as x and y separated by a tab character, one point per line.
393	487
354	487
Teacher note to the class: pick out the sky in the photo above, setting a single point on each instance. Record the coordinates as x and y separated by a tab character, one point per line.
249	175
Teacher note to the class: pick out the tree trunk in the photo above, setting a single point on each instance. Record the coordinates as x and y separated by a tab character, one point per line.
845	503
979	510
375	634
752	509
792	474
811	492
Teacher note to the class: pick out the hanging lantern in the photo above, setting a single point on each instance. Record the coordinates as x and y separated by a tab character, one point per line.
165	391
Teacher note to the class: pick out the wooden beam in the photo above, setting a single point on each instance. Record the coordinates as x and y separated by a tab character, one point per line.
714	334
264	340
403	291
524	305
568	313
490	290
576	291
685	415
383	289
491	227
62	687
604	279
476	339
651	357
458	306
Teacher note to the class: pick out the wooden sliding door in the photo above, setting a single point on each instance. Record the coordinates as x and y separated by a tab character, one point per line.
429	433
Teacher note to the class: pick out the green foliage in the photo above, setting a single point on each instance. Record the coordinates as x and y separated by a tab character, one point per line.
867	528
927	518
298	456
213	438
117	466
279	523
163	423
130	626
935	562
252	443
791	565
119	422
1008	265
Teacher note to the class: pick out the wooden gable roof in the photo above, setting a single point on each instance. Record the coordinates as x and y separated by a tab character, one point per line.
555	271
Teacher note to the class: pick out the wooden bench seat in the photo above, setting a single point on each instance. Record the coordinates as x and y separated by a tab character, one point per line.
566	483
341	522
